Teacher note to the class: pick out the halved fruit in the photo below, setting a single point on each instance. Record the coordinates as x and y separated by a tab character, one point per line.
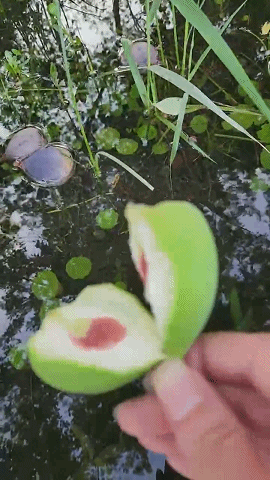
106	338
99	342
174	251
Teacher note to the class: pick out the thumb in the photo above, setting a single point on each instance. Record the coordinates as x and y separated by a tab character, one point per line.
211	442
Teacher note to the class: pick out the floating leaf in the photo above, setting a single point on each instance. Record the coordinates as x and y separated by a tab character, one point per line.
45	285
258	184
78	267
264	133
199	123
107	219
147	132
265	158
48	305
160	148
52	9
121	285
126	146
244	119
18	356
107	138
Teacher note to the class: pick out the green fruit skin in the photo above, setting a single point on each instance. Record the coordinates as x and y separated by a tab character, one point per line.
71	377
183	234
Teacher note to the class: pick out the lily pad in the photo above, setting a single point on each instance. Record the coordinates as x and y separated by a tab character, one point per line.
107	138
265	158
48	305
147	132
160	148
78	267
199	123
18	356
45	285
107	219
264	133
126	146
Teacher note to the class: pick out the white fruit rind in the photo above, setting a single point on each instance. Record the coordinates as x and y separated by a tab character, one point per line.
141	345
159	285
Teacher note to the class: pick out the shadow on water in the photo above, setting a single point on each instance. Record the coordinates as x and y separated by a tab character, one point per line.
46	434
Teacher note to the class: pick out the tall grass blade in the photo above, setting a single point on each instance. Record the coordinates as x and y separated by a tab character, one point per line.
135	72
130	170
207	50
194	92
193	14
153	10
178	128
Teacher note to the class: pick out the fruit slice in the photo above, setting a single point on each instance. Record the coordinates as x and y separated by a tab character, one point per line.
174	251
99	342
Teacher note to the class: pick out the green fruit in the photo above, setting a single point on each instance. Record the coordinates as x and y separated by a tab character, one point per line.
106	338
174	251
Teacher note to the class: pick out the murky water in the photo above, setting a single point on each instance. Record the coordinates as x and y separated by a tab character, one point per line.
46	434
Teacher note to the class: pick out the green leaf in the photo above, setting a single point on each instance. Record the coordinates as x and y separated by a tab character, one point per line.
121	285
244	119
107	219
178	128
48	305
160	148
127	45
147	132
194	92
235	308
199	123
196	17
264	133
265	158
52	9
45	285
78	267
18	356
170	105
126	146
258	184
107	138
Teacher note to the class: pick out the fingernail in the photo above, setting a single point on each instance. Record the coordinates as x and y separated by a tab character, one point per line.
175	387
147	383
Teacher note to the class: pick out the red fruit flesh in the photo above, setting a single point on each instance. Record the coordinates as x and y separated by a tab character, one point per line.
103	333
143	268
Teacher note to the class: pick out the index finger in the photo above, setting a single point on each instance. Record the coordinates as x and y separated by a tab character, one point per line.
233	357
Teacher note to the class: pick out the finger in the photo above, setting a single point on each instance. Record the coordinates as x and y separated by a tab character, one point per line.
142	417
233	357
208	435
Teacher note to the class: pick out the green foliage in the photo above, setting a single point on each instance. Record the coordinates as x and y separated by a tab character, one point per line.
78	267
18	356
241	322
265	158
107	219
264	133
199	123
160	148
126	146
146	131
121	284
258	184
107	138
45	285
48	305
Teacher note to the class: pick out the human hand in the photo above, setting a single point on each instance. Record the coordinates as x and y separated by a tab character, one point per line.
209	415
